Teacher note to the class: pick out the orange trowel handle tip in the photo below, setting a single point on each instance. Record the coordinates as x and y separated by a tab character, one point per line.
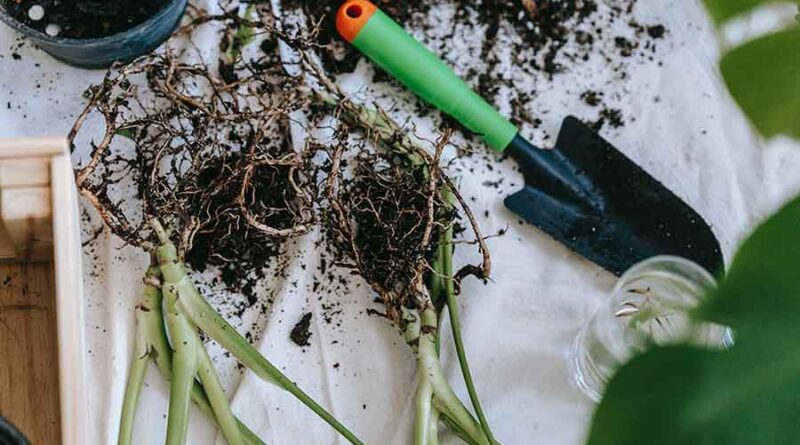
352	17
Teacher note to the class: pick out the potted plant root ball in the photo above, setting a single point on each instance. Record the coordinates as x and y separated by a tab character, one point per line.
393	217
193	169
94	33
391	213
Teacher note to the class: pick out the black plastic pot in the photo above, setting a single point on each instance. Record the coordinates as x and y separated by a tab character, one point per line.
103	51
10	435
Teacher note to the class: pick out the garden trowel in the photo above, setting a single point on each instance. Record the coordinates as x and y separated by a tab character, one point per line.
583	192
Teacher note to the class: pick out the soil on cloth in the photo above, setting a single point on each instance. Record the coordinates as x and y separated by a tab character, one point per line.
301	332
540	40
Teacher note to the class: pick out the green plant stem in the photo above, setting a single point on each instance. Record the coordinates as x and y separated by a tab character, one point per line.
141	356
444	394
214	325
452	425
422	422
152	317
437	280
216	396
433	427
184	368
162	355
446	252
436	288
425	426
150	329
132	391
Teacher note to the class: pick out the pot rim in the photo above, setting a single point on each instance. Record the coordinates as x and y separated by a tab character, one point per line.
42	36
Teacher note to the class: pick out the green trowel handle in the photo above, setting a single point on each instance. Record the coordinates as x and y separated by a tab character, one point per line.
387	44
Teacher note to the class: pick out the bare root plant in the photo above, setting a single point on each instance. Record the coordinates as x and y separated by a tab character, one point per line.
392	218
210	157
386	220
213	174
395	220
196	163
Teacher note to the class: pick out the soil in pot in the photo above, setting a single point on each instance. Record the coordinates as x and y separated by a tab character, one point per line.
82	19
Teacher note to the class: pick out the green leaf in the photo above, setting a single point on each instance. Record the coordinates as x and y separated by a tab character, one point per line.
129	133
761	292
764	77
688	396
749	395
723	10
245	34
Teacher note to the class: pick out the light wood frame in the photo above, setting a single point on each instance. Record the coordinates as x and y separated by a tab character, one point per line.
37	187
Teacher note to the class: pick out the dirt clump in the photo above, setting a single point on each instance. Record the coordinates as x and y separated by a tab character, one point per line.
301	331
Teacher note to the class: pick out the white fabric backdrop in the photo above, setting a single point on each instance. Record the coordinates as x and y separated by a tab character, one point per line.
518	328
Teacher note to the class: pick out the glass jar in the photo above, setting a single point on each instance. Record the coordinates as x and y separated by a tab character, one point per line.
650	305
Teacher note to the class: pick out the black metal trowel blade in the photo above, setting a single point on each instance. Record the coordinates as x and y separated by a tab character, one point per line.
589	196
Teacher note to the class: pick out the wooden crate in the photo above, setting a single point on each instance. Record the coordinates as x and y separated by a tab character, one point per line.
42	388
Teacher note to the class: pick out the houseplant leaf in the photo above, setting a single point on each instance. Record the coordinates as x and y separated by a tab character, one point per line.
688	396
723	10
761	293
746	395
763	76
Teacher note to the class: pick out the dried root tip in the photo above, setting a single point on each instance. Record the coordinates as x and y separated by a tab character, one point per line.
531	7
152	281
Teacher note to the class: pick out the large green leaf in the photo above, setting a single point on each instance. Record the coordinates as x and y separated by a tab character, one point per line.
749	395
687	396
761	292
723	10
764	77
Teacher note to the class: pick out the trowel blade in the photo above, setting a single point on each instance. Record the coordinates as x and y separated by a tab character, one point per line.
608	209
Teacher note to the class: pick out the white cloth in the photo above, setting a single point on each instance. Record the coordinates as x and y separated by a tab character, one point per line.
518	328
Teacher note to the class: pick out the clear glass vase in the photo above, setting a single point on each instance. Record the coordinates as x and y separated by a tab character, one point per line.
650	305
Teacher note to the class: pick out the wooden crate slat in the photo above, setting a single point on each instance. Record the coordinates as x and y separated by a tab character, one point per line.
39	216
33	147
29	375
24	172
69	291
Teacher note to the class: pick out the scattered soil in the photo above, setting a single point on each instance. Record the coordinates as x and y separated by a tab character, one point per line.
338	56
625	46
656	31
544	39
546	28
610	116
301	333
376	216
82	19
592	98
